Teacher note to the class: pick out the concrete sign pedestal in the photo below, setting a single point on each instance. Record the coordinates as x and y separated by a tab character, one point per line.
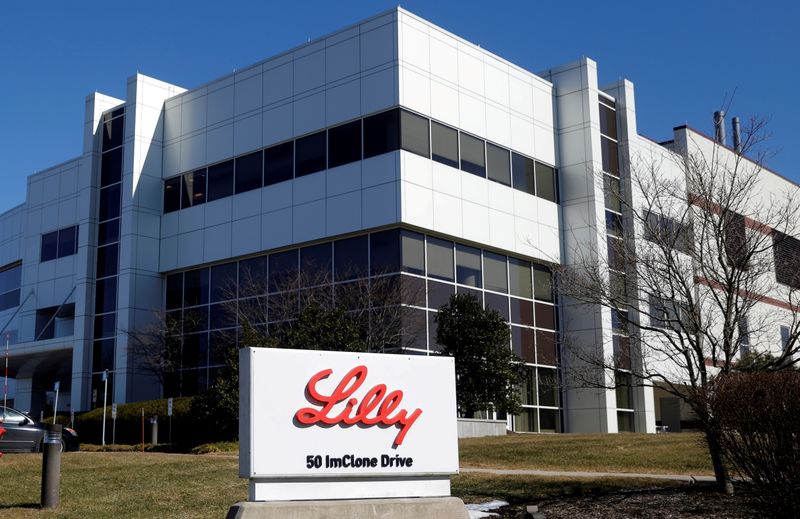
402	508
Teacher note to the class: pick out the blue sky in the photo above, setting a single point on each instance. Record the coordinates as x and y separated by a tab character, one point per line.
685	57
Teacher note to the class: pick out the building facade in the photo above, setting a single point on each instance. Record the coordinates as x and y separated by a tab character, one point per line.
390	148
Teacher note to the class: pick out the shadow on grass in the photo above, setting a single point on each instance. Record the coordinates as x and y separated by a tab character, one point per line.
34	506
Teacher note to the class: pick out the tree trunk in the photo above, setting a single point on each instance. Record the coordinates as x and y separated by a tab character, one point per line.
724	483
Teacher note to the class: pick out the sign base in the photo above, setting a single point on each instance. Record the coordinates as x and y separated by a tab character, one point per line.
402	508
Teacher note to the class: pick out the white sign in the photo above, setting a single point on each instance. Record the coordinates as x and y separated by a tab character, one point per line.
334	416
169	406
113	411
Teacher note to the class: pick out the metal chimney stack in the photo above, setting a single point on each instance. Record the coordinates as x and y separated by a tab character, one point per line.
737	135
719	127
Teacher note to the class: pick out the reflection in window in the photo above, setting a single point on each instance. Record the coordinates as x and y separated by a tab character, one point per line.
519	273
440	259
414	133
498	164
473	159
545	182
350	258
444	141
494	272
384	250
223	282
172	194
413	247
468	265
542	283
316	264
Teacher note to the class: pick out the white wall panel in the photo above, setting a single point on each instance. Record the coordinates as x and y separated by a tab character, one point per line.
343	102
247	134
276	228
343	213
220	105
278	83
309	113
342	59
246	236
219	143
309	72
248	94
217	242
308	221
278	124
444	58
379	205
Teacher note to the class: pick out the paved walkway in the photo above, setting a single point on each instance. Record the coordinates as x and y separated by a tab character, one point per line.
568	474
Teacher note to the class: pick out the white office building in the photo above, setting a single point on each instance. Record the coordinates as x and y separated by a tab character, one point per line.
388	147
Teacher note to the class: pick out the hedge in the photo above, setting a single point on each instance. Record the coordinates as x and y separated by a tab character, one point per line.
129	422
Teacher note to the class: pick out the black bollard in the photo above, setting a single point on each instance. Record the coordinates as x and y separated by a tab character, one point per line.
51	466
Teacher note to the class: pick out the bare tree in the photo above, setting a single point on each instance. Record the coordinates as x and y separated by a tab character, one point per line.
697	289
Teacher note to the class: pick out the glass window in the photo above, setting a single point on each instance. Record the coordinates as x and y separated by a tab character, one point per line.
384	250
520	277
498	303
195	287
440	259
433	330
545	316
350	258
174	291
548	387
549	420
523	170
248	172
616	254
613	190
105	295
108	232
253	276
194	186
172	194
608	121
414	135
195	319
283	271
439	294
413	246
221	315
545	182
103	355
473	158
310	154
622	382
614	223
315	264
344	144
223	282
444	141
494	272
528	390
107	260
522	343
279	163
542	283
49	246
111	167
521	312
10	278
499	164
468	265
622	352
546	348
112	132
220	180
381	133
67	241
608	152
525	421
412	290
105	325
109	202
413	334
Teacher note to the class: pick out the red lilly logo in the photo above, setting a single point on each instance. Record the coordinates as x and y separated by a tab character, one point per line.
378	399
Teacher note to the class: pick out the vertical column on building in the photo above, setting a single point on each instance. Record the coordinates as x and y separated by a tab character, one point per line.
642	392
587	328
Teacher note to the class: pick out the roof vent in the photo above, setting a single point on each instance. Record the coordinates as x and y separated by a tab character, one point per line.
719	127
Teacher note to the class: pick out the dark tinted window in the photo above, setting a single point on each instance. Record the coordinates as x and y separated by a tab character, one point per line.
194	188
608	152
113	133
381	133
440	259
521	311
350	258
67	241
49	246
494	272
520	277
279	163
613	192
444	141
172	194
414	134
253	276
111	167
9	299
107	260
413	247
522	168
545	316
344	144
497	302
384	250
468	265
545	182
220	181
195	287
105	325
316	264
248	172
309	154
608	121
223	282
473	159
498	162
439	294
105	295
109	202
283	271
174	291
108	232
542	283
103	355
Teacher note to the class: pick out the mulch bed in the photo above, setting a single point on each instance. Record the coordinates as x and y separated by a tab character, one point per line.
681	502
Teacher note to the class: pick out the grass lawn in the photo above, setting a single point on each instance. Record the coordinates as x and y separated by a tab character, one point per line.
151	484
683	453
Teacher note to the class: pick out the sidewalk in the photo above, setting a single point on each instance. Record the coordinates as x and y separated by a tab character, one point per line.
562	473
